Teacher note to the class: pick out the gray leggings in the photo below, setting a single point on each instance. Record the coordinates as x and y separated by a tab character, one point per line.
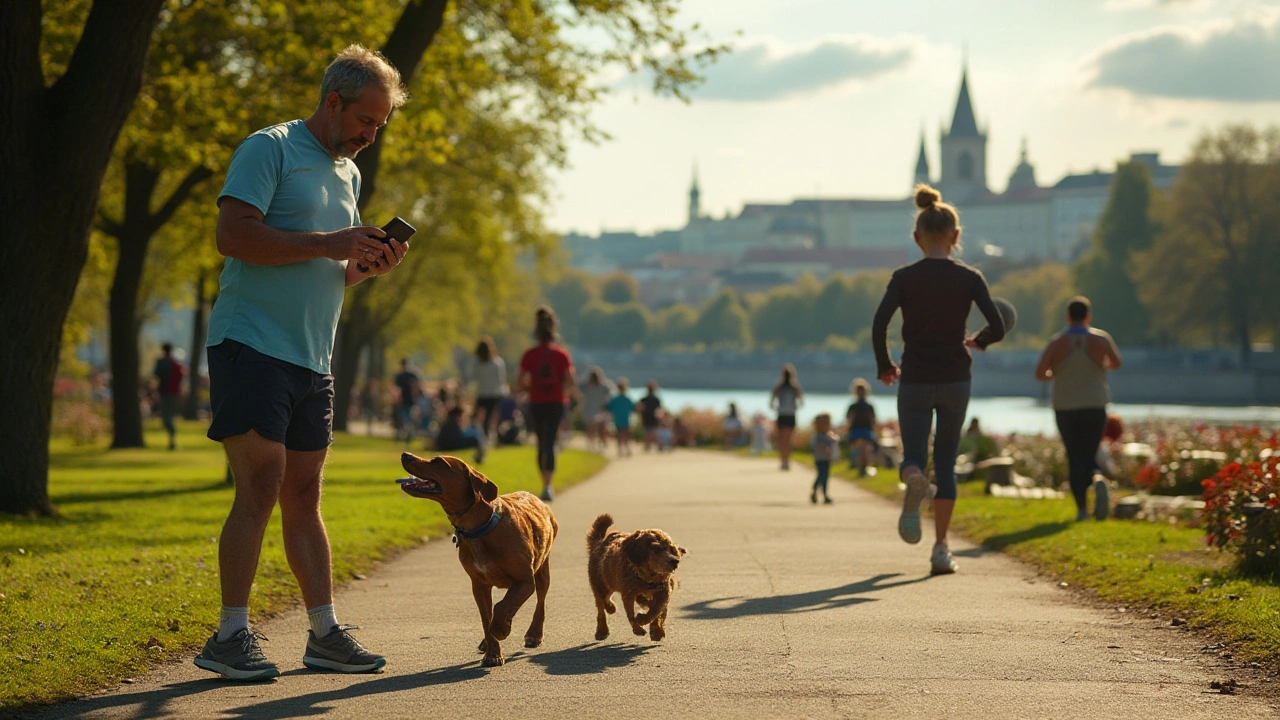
916	405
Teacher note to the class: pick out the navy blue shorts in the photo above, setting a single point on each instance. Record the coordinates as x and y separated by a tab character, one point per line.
786	421
285	403
862	434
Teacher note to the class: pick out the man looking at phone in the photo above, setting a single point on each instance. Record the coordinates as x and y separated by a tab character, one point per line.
292	237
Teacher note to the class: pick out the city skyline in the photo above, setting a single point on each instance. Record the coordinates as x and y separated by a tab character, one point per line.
797	112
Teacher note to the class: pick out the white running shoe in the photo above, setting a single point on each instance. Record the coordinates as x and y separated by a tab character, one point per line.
940	562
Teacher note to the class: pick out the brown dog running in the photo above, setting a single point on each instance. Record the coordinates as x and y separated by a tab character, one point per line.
503	542
640	567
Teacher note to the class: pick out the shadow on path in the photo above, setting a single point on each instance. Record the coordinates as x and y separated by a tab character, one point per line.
148	704
814	600
316	703
155	702
1000	542
590	658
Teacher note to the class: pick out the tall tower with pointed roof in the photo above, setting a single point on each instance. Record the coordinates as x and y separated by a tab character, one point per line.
964	150
695	195
922	165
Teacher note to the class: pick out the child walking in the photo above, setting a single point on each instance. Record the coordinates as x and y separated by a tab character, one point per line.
621	406
825	445
935	295
861	417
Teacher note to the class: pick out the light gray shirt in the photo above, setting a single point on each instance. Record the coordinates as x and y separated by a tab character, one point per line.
491	378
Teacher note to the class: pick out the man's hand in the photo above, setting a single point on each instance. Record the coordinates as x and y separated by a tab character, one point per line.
359	243
388	257
972	342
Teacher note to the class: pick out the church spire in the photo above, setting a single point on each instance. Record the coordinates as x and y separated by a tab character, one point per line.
695	195
963	123
922	163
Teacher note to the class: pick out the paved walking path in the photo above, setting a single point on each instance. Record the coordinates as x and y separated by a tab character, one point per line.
786	610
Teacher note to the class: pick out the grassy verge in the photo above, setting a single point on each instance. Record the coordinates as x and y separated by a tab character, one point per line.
128	575
1166	567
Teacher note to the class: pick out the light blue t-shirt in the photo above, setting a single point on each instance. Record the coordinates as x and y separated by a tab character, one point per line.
289	312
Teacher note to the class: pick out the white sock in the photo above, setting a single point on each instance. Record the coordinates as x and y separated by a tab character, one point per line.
323	619
233	620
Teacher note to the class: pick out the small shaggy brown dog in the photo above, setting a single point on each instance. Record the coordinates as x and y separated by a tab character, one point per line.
640	566
503	542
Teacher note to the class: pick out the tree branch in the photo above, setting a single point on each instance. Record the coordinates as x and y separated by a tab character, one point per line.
85	111
197	175
106	224
409	39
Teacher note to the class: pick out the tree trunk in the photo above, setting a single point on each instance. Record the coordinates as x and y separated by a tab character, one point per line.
58	140
191	410
1246	340
354	334
133	235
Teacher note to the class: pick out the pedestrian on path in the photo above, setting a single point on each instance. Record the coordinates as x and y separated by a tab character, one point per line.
621	406
861	417
410	386
491	385
168	373
1077	360
595	418
546	372
935	294
825	445
650	415
291	233
786	398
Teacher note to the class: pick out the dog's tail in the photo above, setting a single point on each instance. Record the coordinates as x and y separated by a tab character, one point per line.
599	529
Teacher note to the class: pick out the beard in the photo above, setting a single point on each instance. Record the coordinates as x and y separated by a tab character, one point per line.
348	148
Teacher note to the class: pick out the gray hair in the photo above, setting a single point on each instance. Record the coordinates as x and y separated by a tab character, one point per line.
356	68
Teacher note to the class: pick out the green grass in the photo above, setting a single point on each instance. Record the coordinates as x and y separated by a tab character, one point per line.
128	575
1166	567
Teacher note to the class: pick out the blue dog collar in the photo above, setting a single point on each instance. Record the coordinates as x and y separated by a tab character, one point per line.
479	532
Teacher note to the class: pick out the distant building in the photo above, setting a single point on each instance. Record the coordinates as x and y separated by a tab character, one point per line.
1027	221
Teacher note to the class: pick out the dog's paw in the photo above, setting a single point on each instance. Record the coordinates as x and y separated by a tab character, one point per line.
602	633
492	661
532	642
656	633
638	629
609	607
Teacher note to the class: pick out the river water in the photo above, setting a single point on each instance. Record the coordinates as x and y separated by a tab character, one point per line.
1001	415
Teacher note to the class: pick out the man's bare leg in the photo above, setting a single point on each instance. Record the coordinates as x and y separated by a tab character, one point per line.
259	468
306	543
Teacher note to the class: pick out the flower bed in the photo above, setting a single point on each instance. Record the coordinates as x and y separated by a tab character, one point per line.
1162	458
1242	514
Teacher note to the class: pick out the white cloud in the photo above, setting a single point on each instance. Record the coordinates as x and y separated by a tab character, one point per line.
1127	5
763	70
1231	61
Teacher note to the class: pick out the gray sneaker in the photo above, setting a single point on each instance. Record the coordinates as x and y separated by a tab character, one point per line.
239	658
909	521
1101	500
340	652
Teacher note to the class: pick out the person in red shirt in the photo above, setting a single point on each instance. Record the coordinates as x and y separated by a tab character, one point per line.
169	373
546	372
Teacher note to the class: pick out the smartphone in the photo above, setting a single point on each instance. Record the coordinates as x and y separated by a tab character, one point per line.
398	229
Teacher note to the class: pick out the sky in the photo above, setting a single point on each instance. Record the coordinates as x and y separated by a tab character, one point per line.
828	98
